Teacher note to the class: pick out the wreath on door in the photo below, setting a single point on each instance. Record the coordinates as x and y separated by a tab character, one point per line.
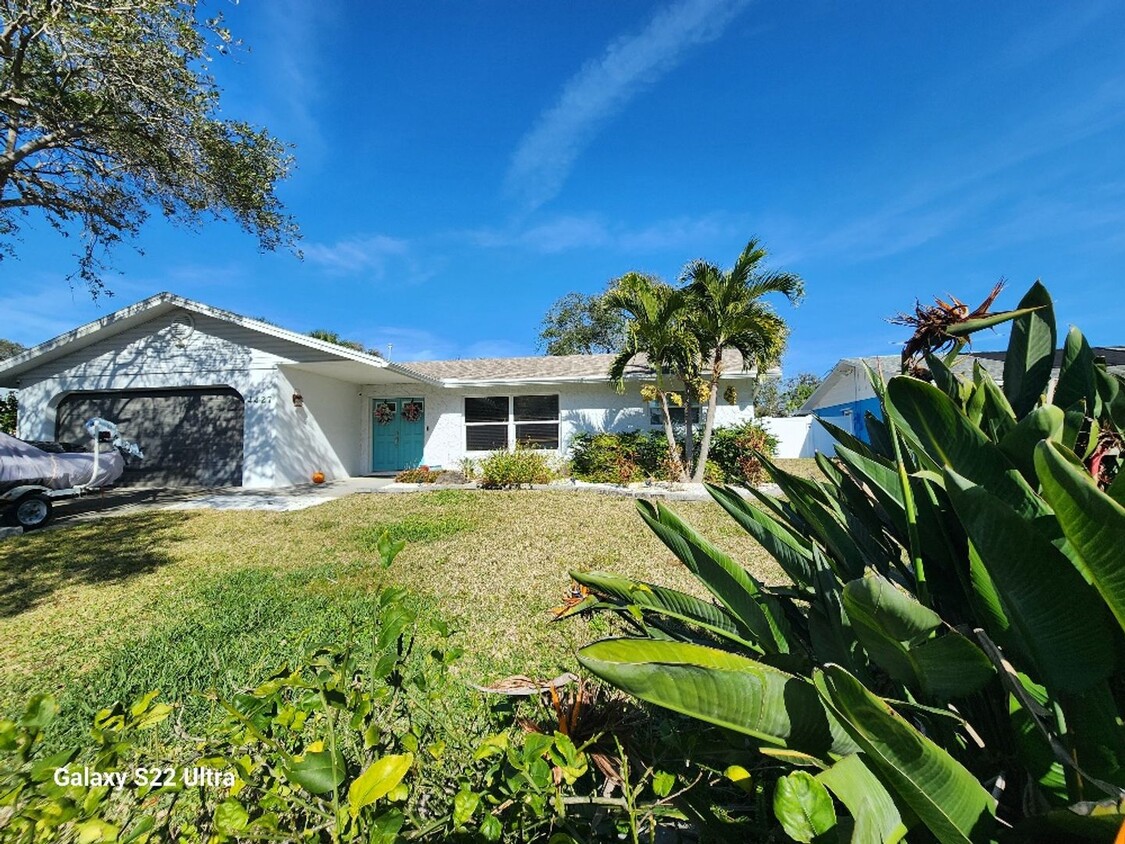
412	411
384	413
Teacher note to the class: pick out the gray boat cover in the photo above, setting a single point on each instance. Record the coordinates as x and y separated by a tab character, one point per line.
21	463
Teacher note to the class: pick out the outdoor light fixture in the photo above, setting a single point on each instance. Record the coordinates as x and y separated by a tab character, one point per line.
298	400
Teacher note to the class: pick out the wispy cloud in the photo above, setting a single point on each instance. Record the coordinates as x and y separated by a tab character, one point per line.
404	344
545	155
1053	32
572	232
376	256
970	180
297	72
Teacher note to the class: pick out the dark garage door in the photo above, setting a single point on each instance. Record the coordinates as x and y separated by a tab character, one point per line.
190	437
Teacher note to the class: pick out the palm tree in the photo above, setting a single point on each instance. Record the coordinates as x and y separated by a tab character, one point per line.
726	312
656	328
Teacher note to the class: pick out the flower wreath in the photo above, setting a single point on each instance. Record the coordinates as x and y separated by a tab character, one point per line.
412	411
384	413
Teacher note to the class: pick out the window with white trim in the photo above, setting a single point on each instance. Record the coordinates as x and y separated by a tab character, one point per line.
495	423
537	421
486	423
656	415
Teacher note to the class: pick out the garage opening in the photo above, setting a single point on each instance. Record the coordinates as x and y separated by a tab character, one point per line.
190	437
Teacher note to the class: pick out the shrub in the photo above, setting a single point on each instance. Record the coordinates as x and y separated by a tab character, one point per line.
735	450
513	469
945	656
630	456
421	475
8	406
620	457
357	741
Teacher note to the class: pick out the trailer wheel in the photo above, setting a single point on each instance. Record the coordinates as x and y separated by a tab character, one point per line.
32	511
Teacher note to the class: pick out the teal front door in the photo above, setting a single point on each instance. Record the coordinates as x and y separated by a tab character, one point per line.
398	432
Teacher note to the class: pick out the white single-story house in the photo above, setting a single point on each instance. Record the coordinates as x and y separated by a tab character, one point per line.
845	396
217	399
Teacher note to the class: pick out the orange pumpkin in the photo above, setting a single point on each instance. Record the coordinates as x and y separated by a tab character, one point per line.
318	477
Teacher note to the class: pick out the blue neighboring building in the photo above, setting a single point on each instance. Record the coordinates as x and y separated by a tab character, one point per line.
845	396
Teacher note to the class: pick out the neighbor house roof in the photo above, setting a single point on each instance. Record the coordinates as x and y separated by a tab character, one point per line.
545	368
991	362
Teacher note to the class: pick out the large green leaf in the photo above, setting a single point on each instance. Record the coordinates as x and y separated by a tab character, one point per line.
945	796
1018	445
971	326
934	424
318	772
377	781
1094	524
721	688
1077	381
847	556
902	636
997	416
734	587
666	602
1031	351
803	806
791	550
1056	619
878	819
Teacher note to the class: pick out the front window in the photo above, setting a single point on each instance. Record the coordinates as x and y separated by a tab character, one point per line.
537	421
486	423
494	423
656	416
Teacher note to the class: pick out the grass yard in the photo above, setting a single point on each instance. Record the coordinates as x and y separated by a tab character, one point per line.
107	610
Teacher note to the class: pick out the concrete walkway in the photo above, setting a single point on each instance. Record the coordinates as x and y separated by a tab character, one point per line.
128	500
289	498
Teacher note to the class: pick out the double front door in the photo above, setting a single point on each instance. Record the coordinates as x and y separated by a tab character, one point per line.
398	433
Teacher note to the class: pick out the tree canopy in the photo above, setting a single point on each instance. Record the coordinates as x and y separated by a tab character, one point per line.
107	112
784	398
9	348
683	331
8	401
335	338
582	325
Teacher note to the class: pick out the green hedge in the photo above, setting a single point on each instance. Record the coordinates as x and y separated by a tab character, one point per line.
631	456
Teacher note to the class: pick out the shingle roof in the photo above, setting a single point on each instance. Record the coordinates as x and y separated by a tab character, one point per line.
992	362
543	367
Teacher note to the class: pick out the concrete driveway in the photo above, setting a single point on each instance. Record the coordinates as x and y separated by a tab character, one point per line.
127	500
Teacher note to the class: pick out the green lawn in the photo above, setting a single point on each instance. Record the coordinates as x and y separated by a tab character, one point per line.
105	610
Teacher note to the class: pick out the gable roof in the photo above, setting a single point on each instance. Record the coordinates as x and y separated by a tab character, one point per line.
990	362
12	369
342	361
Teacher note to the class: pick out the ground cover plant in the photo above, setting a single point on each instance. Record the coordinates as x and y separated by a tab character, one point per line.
243	611
95	612
942	659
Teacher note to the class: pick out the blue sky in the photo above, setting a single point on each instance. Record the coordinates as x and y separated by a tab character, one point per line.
461	166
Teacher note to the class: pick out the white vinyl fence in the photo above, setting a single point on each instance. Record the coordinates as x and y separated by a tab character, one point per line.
798	436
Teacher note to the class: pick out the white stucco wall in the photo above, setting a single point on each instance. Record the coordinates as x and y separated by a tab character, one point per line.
152	355
324	435
583	406
798	436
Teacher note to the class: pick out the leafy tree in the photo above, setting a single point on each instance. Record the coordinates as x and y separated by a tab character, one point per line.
582	325
726	311
8	403
106	111
9	348
784	398
333	337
